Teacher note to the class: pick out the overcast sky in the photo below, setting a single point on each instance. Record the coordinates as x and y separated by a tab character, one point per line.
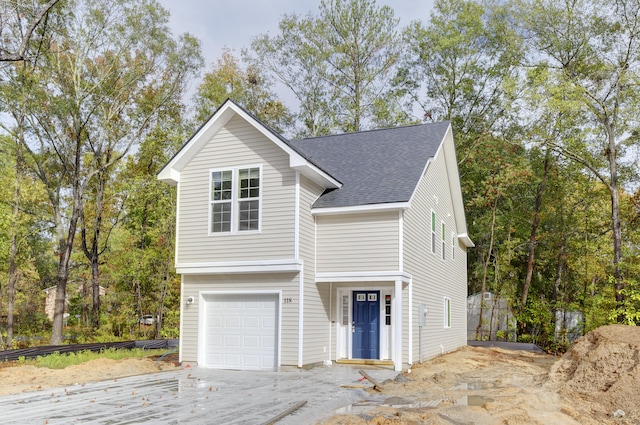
233	23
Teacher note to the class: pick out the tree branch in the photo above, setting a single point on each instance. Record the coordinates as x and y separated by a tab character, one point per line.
19	55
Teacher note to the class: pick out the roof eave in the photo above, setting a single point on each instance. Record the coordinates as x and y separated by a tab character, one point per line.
170	173
466	240
355	209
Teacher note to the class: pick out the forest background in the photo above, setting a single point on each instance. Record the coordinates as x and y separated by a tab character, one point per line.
542	95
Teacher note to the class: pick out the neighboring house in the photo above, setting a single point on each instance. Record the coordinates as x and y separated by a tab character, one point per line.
498	321
299	252
569	325
52	291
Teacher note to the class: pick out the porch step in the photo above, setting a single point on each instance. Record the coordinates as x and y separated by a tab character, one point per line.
365	362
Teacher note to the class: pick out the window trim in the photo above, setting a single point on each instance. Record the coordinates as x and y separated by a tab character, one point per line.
447	313
235	200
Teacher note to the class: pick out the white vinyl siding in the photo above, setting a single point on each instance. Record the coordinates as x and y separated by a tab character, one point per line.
432	278
287	283
358	242
237	145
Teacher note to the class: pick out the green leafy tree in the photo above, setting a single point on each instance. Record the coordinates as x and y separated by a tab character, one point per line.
107	70
249	87
586	59
339	65
462	66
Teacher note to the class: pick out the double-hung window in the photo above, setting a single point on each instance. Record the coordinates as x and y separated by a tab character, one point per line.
442	237
453	245
235	200
433	232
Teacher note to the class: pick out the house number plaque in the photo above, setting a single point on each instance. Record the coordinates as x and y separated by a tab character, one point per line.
287	300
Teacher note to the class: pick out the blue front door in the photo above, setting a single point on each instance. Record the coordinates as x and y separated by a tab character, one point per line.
366	325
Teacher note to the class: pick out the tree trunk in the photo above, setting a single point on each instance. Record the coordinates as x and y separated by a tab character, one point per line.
485	267
612	157
559	272
13	280
92	250
534	231
65	245
13	269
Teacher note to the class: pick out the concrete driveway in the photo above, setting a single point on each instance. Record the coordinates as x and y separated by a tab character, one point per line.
198	396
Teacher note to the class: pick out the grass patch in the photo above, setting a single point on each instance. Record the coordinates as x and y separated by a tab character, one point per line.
60	361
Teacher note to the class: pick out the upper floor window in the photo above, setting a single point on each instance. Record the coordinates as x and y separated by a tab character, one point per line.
433	232
442	242
453	245
235	200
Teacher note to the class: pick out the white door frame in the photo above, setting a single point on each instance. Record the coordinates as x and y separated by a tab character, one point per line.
343	332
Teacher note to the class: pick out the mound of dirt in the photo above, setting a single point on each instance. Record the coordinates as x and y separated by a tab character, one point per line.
603	367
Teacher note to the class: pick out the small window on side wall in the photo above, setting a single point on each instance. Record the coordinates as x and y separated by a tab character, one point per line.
447	312
453	245
442	242
433	232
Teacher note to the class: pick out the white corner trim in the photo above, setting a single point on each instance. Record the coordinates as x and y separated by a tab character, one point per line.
260	266
401	240
410	322
393	206
296	219
382	276
300	317
182	306
397	329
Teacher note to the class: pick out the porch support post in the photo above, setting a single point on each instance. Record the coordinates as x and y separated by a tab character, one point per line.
397	328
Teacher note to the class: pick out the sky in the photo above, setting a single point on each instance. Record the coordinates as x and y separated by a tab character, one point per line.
233	23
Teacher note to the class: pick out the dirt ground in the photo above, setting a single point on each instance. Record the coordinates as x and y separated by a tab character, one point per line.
595	383
21	378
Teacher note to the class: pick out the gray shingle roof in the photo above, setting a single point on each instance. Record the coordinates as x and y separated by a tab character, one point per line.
375	167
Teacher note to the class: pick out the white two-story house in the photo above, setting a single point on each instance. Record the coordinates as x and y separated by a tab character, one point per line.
298	252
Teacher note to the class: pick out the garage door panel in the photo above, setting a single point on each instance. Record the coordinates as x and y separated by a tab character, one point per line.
241	331
253	322
231	321
252	341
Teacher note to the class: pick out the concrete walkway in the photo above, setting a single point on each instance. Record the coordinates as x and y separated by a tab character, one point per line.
197	396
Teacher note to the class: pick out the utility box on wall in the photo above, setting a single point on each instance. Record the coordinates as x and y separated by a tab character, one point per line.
422	315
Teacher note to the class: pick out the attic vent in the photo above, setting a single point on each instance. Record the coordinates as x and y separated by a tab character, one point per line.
486	296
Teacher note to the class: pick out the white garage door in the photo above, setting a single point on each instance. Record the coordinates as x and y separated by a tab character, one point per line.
241	331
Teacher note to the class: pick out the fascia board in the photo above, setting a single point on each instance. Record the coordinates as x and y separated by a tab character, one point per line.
361	208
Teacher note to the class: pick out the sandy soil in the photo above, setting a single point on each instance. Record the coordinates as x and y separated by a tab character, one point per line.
482	386
597	382
21	378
